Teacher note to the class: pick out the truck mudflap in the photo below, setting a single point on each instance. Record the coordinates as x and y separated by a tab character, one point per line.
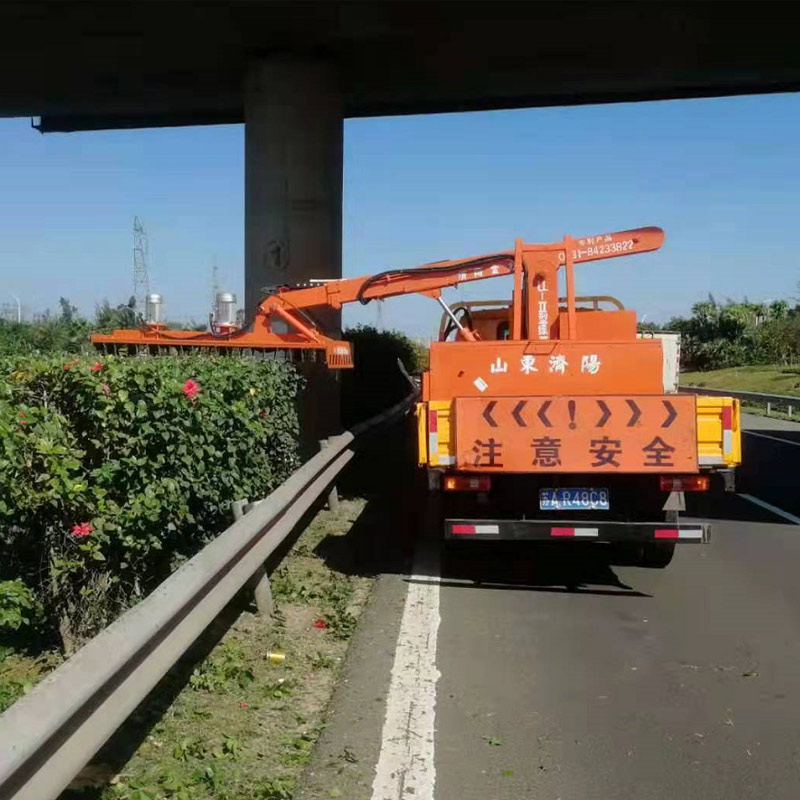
565	530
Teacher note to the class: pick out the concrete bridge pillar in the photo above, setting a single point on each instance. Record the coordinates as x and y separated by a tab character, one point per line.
293	203
293	174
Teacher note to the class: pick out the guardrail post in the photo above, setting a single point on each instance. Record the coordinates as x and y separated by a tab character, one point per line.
259	583
790	410
237	506
769	408
333	495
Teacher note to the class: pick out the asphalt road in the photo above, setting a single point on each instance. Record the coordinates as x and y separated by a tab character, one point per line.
640	684
564	676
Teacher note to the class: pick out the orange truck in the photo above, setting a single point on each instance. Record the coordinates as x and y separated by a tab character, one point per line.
554	419
548	417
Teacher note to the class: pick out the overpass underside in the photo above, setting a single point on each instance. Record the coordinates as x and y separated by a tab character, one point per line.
100	64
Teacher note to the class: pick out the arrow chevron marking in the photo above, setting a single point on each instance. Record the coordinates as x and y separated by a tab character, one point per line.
517	413
637	412
487	413
606	414
542	414
671	414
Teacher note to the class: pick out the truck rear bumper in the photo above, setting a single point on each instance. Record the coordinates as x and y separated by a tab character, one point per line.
566	530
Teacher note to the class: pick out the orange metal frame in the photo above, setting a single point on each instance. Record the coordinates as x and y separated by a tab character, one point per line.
534	309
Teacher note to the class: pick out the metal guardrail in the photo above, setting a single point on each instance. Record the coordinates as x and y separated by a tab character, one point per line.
791	404
51	733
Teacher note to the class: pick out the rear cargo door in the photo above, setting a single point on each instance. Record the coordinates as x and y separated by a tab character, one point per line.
644	433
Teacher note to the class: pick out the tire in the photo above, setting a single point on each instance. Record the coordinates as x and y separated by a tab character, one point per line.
649	556
657	556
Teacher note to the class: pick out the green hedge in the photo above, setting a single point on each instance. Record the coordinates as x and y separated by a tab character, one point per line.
113	471
376	382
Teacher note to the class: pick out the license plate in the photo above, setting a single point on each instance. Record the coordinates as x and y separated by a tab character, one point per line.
573	499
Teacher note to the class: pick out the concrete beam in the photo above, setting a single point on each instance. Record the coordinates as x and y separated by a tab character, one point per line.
293	175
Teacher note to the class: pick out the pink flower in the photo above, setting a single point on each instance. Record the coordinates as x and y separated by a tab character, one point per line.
106	389
320	623
96	367
243	704
191	389
81	530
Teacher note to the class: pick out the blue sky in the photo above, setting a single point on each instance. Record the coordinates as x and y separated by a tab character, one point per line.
721	176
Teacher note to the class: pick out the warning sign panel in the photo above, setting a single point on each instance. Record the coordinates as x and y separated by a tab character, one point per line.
577	434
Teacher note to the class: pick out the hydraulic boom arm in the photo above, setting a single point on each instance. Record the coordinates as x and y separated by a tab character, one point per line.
528	263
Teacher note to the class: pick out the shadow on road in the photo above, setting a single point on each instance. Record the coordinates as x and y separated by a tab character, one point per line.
533	566
398	512
381	540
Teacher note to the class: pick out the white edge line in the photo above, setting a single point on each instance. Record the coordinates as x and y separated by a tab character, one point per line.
774	438
769	507
406	766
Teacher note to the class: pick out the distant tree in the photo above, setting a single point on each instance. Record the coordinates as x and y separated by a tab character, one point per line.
737	333
108	318
641	327
68	311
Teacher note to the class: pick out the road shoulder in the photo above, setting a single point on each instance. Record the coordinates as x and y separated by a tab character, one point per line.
344	761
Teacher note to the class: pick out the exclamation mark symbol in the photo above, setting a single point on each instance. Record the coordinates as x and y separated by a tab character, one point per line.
571	409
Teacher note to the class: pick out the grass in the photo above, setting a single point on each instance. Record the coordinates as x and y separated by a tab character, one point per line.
244	726
20	672
767	379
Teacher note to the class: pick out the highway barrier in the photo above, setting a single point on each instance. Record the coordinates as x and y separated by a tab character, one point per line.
770	401
52	732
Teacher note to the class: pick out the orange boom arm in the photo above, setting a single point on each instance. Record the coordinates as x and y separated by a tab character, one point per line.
534	267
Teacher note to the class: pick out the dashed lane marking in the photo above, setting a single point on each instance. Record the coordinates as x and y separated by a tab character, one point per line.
774	438
773	509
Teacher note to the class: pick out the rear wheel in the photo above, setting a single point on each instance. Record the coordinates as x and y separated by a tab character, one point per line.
657	556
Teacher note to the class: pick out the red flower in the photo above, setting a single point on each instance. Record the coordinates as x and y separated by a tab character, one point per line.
191	389
81	530
96	367
67	366
106	389
22	420
242	704
320	623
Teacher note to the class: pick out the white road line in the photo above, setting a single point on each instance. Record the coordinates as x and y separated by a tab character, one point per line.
769	507
774	438
406	767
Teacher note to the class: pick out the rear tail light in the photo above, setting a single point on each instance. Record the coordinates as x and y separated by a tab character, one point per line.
684	483
463	483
